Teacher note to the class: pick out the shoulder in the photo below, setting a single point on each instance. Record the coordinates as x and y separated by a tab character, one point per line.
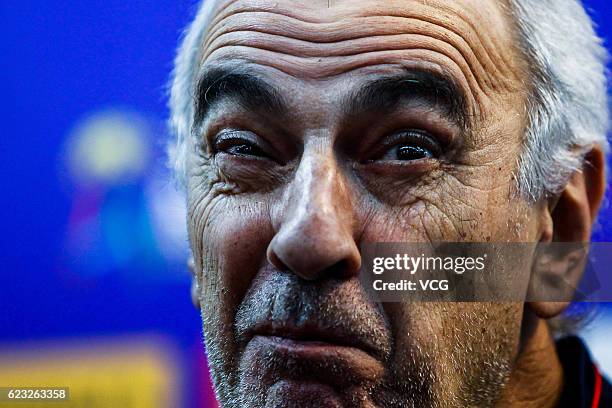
584	386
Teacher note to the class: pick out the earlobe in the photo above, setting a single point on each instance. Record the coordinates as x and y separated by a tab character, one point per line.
195	286
547	310
568	223
195	293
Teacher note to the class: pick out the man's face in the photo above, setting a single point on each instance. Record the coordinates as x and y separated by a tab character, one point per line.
321	128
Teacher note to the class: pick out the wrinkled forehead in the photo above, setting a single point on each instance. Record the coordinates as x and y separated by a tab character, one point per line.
470	40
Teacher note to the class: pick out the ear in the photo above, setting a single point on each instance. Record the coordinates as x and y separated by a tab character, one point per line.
195	286
579	203
569	218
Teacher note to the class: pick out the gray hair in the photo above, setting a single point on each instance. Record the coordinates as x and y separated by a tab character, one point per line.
566	108
182	85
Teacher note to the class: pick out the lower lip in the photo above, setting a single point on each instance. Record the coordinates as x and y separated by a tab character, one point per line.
353	360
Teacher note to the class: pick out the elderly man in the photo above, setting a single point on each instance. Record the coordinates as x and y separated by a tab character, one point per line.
308	128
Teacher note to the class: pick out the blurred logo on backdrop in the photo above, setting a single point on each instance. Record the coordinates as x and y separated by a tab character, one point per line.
137	372
126	214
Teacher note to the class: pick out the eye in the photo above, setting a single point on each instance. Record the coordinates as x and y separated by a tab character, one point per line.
239	143
408	146
409	152
245	149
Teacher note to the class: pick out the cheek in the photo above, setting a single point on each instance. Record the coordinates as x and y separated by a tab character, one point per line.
452	213
234	234
427	219
449	343
384	223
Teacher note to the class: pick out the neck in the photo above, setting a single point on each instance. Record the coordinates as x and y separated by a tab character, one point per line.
537	378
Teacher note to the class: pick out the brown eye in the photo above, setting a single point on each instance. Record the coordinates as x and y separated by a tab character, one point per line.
408	152
409	146
239	143
245	149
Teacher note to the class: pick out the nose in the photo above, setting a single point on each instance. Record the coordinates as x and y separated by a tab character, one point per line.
315	236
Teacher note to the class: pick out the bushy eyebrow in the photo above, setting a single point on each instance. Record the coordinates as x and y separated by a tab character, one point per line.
386	93
382	94
238	83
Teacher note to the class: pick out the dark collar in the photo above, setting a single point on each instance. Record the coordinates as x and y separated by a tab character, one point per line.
584	386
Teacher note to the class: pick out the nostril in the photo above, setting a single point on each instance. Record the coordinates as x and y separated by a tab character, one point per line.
276	261
341	269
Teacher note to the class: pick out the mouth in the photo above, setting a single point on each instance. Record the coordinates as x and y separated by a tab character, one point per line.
313	338
310	353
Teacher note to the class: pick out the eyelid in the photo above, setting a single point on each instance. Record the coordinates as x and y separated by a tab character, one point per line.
234	134
240	136
234	137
